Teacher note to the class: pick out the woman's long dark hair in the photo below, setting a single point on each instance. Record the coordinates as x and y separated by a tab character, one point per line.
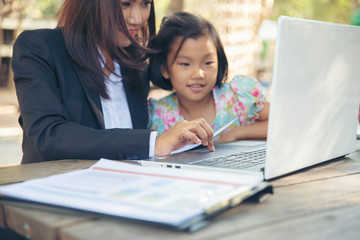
88	24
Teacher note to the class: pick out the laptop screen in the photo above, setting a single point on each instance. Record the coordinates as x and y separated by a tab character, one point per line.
315	94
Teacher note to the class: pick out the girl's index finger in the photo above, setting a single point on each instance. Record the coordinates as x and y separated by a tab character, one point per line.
209	132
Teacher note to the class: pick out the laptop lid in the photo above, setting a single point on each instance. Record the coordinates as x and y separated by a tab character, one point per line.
315	94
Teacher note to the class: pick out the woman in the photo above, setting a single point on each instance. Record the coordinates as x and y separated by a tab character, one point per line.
80	89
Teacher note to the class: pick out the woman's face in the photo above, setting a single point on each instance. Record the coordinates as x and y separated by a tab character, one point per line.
136	13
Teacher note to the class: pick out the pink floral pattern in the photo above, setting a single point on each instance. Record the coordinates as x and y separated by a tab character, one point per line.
240	98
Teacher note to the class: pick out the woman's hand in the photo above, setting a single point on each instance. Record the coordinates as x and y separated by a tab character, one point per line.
197	131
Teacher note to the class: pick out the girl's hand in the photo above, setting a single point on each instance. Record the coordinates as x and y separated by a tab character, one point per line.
257	130
183	133
228	137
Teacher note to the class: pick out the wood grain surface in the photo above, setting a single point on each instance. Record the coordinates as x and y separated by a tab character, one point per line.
317	203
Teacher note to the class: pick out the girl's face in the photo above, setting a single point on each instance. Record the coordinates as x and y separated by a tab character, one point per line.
194	70
136	13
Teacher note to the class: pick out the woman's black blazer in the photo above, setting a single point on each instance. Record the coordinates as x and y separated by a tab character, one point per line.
61	118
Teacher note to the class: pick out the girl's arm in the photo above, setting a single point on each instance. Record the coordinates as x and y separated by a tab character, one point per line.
252	131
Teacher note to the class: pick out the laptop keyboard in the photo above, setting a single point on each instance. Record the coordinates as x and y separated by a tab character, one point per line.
238	160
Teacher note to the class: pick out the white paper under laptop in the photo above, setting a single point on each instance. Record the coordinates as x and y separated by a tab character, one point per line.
314	103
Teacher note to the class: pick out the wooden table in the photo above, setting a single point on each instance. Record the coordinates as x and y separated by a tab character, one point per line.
319	203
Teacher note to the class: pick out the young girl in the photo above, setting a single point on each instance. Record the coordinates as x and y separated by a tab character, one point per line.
191	60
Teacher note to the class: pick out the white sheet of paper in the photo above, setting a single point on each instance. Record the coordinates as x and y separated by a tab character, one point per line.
169	196
191	146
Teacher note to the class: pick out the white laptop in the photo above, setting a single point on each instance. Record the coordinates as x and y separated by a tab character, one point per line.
314	103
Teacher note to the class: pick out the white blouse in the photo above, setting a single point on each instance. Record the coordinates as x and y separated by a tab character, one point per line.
116	109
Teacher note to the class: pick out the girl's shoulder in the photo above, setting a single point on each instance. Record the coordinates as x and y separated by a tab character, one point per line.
239	85
163	113
163	107
245	83
167	101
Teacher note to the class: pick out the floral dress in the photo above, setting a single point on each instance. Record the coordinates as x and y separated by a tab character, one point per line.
240	98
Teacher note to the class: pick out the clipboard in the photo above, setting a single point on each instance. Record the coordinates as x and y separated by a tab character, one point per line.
68	191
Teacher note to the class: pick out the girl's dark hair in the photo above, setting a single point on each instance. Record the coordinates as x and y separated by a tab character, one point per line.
185	25
88	24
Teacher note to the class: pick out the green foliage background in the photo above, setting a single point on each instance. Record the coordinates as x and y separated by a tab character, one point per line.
325	10
338	11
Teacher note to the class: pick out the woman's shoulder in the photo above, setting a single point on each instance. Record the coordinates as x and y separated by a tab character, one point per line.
44	42
46	34
40	39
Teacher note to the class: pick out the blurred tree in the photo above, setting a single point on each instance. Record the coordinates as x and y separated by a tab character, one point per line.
356	4
10	6
43	9
15	9
324	10
355	18
175	6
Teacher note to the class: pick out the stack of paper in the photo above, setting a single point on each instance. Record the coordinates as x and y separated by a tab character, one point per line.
173	197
